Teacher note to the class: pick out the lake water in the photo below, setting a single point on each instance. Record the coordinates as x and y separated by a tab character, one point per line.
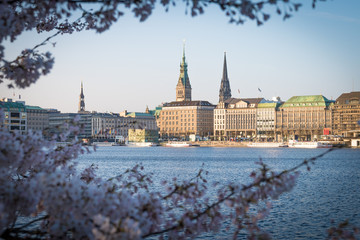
331	190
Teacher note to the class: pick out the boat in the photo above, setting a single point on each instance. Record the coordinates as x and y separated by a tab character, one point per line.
178	144
266	144
141	144
105	144
297	144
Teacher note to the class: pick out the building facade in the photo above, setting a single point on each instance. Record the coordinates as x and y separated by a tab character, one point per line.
37	118
59	122
181	119
112	125
236	117
15	115
143	135
346	115
266	120
304	118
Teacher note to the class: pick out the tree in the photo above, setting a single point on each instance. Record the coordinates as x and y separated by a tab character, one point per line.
42	195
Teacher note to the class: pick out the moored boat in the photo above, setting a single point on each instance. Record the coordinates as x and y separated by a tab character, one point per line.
297	144
141	144
266	144
178	144
105	144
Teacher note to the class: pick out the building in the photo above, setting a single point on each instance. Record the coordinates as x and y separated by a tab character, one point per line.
143	135
81	100
59	122
183	87
15	115
113	125
236	117
266	120
304	118
37	118
156	113
142	120
180	119
225	91
109	125
346	115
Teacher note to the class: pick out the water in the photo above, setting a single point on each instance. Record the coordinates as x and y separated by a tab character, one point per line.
331	190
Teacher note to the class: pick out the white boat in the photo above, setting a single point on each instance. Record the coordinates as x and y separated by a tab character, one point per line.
266	144
297	144
104	144
178	144
141	144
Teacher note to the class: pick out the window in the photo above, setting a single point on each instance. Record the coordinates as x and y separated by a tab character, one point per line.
15	115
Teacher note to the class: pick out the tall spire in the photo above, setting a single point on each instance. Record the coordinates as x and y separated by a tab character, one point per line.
82	100
225	91
183	87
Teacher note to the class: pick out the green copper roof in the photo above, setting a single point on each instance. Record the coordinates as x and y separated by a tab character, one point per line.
268	105
156	112
12	105
33	107
184	78
138	114
307	101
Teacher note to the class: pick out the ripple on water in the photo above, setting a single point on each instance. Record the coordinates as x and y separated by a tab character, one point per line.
331	190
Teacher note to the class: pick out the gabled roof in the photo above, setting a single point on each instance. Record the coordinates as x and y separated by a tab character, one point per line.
255	101
307	101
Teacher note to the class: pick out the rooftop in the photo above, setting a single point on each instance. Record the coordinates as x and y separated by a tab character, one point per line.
349	98
12	105
307	101
188	103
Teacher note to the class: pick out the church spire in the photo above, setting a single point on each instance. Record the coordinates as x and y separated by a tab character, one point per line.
225	91
183	87
82	100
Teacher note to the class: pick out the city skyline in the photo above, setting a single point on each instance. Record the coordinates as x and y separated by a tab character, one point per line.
137	64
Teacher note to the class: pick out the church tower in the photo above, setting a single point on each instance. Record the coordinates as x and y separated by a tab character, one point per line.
82	100
225	91
183	87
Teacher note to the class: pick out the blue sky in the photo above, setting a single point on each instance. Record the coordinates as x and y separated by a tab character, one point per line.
136	64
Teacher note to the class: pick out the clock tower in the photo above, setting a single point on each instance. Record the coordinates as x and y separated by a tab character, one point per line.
183	87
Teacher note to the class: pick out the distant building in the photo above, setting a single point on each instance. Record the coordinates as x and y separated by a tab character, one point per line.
143	135
37	118
111	125
81	100
156	113
225	91
15	116
59	122
183	87
180	119
143	120
304	118
236	117
346	115
266	119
